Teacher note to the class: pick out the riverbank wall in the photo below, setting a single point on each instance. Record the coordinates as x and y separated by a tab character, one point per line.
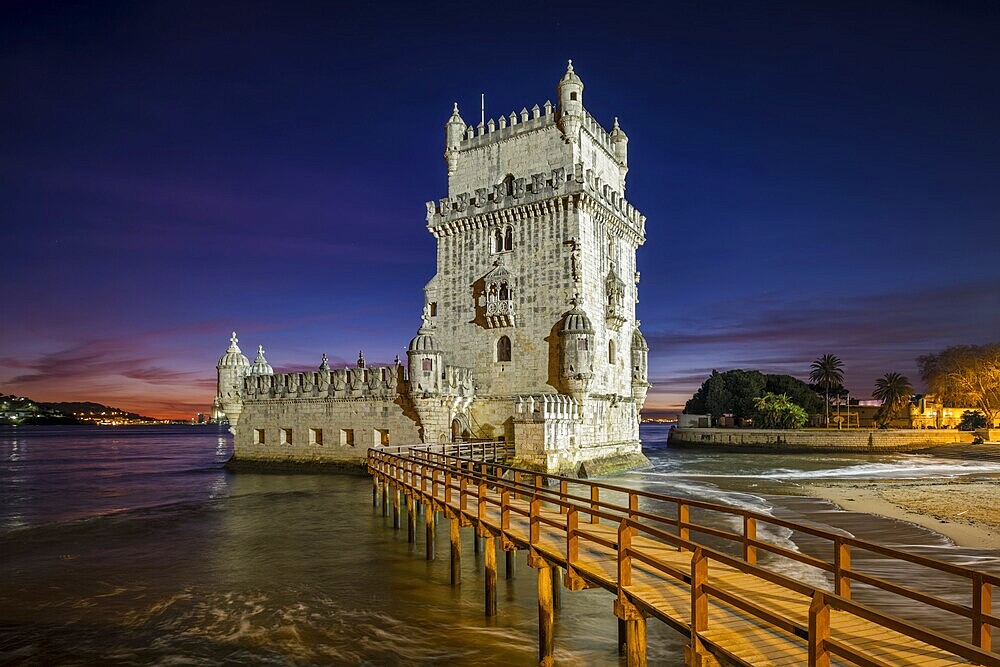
827	440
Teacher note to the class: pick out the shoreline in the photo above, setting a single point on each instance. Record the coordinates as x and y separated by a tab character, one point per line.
966	512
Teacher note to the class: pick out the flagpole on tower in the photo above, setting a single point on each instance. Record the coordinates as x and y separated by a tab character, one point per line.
482	108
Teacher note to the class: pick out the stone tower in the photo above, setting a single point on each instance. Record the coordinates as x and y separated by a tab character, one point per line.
232	368
536	284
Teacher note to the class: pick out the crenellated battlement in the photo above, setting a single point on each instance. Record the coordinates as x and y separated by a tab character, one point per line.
343	383
506	127
532	189
547	407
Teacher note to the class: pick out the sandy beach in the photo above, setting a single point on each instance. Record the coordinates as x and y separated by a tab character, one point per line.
967	512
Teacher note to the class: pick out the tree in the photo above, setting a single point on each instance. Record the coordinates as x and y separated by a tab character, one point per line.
778	411
798	391
728	393
965	374
894	390
971	420
827	372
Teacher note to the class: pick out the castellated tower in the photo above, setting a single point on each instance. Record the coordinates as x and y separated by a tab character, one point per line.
528	332
536	284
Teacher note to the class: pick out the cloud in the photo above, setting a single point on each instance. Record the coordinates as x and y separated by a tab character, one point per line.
872	334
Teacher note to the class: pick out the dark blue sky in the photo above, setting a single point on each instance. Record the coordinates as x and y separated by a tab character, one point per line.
817	177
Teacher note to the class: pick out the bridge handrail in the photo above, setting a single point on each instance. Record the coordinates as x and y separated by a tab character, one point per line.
979	612
846	539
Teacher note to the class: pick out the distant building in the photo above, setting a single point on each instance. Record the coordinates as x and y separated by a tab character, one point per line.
528	331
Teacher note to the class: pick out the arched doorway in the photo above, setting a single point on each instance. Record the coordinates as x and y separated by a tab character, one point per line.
460	431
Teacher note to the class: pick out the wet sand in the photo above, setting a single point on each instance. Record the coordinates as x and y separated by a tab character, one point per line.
967	512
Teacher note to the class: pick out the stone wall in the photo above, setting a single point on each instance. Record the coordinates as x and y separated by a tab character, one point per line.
321	430
818	439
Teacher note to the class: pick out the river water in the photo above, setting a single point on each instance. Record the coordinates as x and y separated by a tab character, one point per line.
135	545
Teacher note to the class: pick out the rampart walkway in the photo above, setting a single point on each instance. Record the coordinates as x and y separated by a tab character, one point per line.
734	610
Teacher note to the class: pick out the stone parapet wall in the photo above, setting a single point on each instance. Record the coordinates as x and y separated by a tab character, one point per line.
818	439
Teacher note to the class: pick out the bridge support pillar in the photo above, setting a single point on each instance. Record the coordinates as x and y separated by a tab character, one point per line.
429	532
385	497
374	491
557	587
509	561
395	509
490	552
456	552
622	637
546	616
411	520
635	642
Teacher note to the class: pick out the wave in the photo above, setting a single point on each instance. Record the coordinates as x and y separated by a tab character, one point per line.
913	468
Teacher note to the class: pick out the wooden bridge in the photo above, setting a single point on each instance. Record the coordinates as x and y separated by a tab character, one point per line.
735	610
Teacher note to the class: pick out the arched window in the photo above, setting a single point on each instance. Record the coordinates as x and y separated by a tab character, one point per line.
611	352
508	238
503	349
498	240
504	292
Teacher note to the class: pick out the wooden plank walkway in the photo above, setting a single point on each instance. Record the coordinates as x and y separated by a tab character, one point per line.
733	611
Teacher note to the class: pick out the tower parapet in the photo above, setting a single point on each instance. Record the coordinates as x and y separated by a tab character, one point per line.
232	368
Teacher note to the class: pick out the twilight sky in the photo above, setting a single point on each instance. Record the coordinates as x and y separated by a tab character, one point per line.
817	178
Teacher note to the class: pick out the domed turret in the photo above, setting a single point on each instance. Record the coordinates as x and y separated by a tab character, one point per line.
426	362
640	368
260	365
620	142
570	117
233	367
454	130
576	340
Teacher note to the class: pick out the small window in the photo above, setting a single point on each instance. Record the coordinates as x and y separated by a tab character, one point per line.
508	182
581	344
316	436
347	437
427	365
572	96
434	309
504	292
611	352
258	436
286	436
497	240
508	239
381	437
503	349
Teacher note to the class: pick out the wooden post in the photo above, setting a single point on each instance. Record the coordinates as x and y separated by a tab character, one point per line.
595	497
385	497
456	552
841	562
475	542
509	563
982	603
683	518
635	642
490	546
556	587
374	491
429	532
395	509
699	603
411	520
546	616
749	533
819	631
622	636
563	491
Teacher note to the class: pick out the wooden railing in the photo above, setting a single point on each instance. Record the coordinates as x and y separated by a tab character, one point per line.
437	476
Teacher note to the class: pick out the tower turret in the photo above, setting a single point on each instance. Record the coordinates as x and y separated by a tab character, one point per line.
640	368
570	116
233	366
620	142
260	365
426	362
576	340
454	130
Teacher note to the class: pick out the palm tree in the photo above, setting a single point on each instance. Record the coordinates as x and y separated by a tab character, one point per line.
894	390
827	372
